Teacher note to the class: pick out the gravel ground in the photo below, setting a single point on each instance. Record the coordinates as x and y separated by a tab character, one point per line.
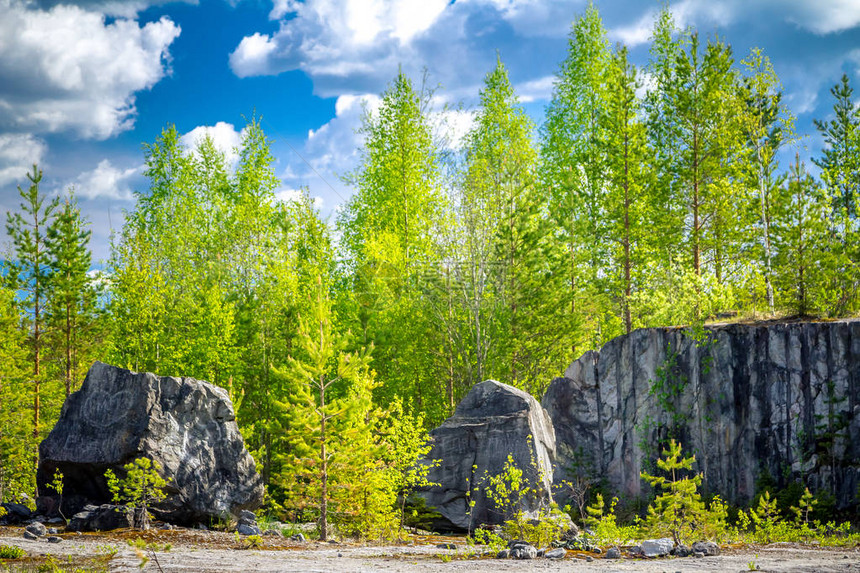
210	552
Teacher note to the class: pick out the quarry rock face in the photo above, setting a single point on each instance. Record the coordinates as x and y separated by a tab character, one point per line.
186	425
764	403
493	421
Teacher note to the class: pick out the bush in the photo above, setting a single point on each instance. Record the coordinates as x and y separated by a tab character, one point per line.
11	552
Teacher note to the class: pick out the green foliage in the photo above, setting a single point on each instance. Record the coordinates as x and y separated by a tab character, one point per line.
11	552
141	487
604	524
57	485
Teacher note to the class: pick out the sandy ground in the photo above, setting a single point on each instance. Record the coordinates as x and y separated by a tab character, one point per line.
206	552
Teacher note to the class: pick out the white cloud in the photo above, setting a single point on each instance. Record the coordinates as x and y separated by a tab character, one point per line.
452	126
66	69
286	195
107	181
118	8
536	90
18	153
820	17
223	135
334	37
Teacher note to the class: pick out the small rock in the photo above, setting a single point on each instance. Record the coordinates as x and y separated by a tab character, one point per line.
246	515
339	554
514	542
589	558
332	542
166	527
523	552
698	554
56	520
245	529
30	536
446	546
272	532
682	551
37	529
557	553
52	531
54	539
708	548
297	537
503	554
657	547
541	552
613	553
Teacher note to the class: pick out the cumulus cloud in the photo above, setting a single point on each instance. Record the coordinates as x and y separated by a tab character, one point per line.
119	8
223	135
334	37
18	153
821	17
330	153
65	69
107	181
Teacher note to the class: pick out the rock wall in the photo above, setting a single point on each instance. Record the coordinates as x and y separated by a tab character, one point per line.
187	425
779	400
491	422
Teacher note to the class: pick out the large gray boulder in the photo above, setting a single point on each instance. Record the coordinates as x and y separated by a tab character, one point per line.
186	425
764	402
493	421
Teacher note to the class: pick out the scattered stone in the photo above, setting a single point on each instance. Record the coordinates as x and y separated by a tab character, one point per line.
30	536
245	529
187	426
613	553
541	552
37	529
55	520
298	537
52	531
446	546
247	516
698	554
657	547
581	543
54	539
503	554
589	558
272	532
492	422
707	548
105	517
681	551
557	553
15	514
523	552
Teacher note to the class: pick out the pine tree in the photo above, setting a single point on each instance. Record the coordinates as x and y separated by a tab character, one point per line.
327	417
768	127
72	308
840	172
30	271
692	121
573	166
624	142
390	240
678	510
16	442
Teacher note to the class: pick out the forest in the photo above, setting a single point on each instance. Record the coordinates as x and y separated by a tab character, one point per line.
668	195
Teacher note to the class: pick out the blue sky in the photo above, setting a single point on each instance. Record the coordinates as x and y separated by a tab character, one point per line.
83	83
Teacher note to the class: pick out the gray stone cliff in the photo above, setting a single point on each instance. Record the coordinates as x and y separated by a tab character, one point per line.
778	399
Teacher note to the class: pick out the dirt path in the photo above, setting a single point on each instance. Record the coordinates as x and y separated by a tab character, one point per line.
210	552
